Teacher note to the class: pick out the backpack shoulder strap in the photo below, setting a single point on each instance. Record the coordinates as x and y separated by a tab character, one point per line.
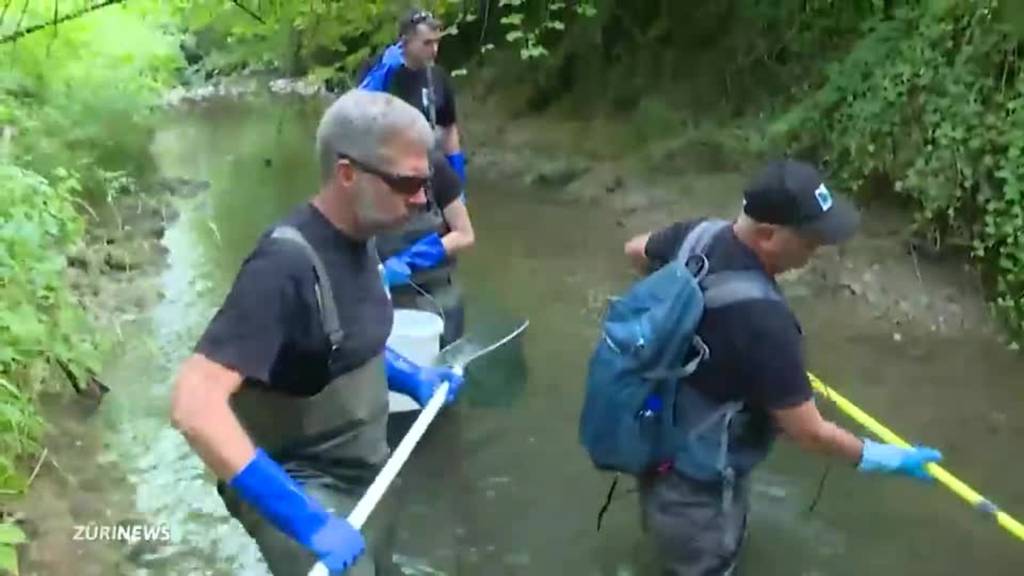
700	237
729	286
732	286
324	293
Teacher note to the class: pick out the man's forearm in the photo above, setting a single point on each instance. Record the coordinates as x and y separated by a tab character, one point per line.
450	141
202	413
222	444
834	440
636	250
456	241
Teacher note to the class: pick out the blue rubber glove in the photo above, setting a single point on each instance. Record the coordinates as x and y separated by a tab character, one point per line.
265	486
458	163
426	253
396	272
419	382
890	458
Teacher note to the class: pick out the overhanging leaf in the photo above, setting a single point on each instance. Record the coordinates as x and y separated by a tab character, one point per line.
11	534
9	560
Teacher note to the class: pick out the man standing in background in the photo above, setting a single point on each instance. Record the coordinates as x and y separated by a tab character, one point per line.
407	69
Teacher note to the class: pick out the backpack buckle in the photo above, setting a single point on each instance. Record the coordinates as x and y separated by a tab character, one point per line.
697	265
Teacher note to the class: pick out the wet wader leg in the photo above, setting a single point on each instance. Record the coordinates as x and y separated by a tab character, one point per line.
694	534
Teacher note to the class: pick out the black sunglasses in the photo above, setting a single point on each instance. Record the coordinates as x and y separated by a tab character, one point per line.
408	25
421	17
401	184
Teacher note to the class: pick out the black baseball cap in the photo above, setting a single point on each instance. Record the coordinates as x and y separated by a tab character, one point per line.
792	193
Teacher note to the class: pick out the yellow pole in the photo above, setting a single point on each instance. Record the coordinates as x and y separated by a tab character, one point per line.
976	500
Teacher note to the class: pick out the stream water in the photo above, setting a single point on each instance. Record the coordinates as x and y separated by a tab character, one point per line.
500	485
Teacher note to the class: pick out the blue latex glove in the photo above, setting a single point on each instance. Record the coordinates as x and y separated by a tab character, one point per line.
890	458
419	382
458	163
265	486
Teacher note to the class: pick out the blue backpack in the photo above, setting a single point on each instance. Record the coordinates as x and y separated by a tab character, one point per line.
648	345
376	78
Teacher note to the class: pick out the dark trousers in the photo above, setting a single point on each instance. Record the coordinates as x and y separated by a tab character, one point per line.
695	530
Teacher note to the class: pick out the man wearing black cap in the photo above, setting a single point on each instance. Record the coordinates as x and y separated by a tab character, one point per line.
755	373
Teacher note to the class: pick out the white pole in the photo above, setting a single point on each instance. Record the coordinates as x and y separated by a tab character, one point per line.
394	464
387	475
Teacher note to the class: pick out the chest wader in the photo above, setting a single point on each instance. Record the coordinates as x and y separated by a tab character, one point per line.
443	296
697	509
333	443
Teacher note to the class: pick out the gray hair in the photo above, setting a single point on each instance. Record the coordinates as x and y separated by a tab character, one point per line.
360	123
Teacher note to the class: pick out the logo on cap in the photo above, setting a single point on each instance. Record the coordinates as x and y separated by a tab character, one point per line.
824	197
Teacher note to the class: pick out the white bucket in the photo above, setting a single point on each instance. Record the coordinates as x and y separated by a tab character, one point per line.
415	334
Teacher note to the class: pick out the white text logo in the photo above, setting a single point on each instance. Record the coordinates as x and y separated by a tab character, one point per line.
121	533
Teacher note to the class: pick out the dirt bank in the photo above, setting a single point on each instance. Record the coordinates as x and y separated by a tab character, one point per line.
880	277
116	276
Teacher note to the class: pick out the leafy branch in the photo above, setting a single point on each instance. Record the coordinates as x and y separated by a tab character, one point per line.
3	13
249	11
22	32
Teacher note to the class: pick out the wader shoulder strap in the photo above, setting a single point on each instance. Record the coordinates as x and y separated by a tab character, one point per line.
430	99
324	293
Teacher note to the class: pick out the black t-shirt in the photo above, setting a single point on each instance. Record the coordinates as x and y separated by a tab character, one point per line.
445	185
269	328
756	346
411	85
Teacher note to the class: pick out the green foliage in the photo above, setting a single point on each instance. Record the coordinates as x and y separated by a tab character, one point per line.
75	105
40	321
10	537
322	39
923	94
931	99
532	26
68	89
330	40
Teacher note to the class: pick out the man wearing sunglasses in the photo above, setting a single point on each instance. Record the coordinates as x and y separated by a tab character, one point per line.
419	258
407	70
285	397
419	264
